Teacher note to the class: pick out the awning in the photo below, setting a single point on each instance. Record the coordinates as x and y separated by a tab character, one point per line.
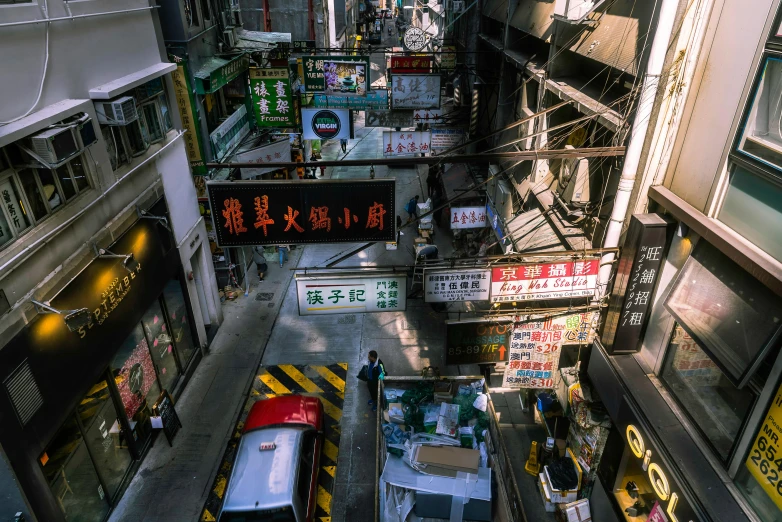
531	232
116	87
260	41
457	180
42	118
216	72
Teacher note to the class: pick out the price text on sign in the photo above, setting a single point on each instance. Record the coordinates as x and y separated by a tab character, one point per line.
477	342
765	456
544	281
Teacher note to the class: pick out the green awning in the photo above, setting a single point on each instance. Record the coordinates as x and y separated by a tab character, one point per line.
216	72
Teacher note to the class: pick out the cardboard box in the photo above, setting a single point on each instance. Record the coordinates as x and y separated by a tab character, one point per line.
578	511
447	460
395	413
448	420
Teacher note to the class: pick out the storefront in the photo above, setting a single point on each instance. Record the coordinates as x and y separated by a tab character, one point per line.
78	407
692	382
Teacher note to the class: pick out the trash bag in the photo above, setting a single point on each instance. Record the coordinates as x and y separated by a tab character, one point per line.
466	411
563	474
481	426
421	393
414	418
481	403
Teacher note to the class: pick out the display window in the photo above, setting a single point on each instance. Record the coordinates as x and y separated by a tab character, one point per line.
178	319
632	490
161	346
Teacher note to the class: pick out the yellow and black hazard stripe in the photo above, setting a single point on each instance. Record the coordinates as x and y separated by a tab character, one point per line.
325	382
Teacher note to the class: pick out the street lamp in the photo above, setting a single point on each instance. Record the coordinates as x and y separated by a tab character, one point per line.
129	262
74	319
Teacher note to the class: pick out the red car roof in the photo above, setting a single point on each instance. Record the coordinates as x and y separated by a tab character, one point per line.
285	409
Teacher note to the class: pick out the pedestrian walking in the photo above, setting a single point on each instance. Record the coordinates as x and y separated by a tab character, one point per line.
412	208
344	144
283	250
313	159
431	181
376	371
260	261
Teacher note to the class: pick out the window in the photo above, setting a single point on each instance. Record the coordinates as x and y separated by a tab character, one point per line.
761	137
716	406
205	10
732	316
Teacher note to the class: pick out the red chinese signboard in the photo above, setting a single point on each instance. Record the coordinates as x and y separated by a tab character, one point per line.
272	213
411	64
544	281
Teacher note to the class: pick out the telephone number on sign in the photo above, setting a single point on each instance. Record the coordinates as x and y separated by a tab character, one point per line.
765	458
473	350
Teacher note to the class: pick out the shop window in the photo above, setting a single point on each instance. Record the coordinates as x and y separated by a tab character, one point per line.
13	217
178	318
762	134
103	434
72	477
730	314
753	208
161	346
717	407
632	490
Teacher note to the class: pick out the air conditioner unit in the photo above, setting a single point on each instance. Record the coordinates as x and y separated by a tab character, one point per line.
573	9
574	180
458	6
228	36
85	133
117	112
503	200
56	145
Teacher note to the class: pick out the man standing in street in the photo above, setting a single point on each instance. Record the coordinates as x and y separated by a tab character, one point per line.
260	261
412	208
283	250
344	144
375	372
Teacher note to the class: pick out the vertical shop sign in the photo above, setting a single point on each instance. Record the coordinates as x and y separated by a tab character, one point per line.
446	286
270	90
337	295
183	93
406	143
544	281
415	91
765	455
636	280
535	346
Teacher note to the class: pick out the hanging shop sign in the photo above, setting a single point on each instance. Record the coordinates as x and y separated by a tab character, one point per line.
636	279
183	93
217	72
344	295
415	91
414	38
284	212
270	90
447	286
229	133
325	124
430	116
494	221
315	76
544	281
278	151
468	217
448	57
477	342
303	44
406	143
411	64
348	78
535	347
443	139
375	99
388	119
765	455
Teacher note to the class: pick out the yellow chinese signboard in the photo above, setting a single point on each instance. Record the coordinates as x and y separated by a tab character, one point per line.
765	457
184	100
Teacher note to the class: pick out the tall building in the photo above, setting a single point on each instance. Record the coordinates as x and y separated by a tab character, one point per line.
107	287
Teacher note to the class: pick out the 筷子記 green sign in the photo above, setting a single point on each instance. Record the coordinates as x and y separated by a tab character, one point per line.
271	96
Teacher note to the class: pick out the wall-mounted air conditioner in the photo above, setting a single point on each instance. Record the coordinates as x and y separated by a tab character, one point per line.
85	133
56	145
230	39
237	17
117	112
458	6
574	180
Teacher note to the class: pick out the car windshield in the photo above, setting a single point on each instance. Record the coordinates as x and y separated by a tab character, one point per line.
282	515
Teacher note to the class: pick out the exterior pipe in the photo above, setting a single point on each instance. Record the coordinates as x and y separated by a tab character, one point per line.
74	17
651	81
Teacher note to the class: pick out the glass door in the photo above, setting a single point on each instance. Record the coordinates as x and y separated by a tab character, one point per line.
178	320
161	346
72	476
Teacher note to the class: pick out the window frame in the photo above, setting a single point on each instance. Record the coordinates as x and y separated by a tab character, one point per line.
9	173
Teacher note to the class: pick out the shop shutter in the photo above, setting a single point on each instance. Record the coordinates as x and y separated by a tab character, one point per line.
24	392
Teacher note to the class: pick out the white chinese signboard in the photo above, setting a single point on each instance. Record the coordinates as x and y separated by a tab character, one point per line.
415	91
278	151
468	217
443	139
535	348
405	143
345	295
428	116
443	286
544	281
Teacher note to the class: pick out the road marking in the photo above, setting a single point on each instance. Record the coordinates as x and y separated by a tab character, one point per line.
330	376
331	410
330	450
272	383
344	366
301	379
331	470
207	516
324	500
219	488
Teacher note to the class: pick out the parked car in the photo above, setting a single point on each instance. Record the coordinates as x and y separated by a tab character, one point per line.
275	474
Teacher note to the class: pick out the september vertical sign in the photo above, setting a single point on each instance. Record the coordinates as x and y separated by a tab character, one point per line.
271	96
765	458
184	100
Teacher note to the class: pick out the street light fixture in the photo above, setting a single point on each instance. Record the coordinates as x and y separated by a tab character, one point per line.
129	262
74	319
